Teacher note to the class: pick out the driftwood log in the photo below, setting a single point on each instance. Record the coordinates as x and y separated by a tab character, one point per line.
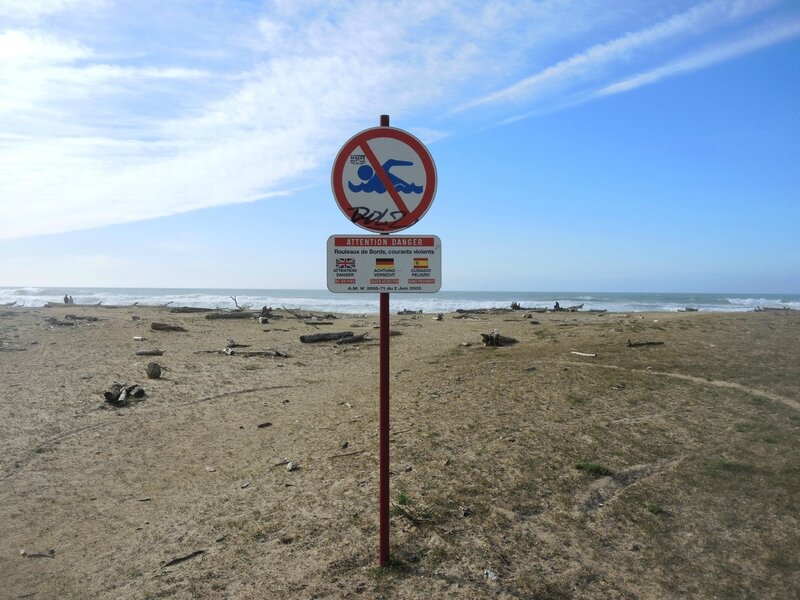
235	344
353	339
638	344
77	318
325	337
274	353
190	309
481	311
236	352
154	352
310	316
165	327
239	314
495	339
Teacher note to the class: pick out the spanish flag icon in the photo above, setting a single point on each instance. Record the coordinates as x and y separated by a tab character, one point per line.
420	263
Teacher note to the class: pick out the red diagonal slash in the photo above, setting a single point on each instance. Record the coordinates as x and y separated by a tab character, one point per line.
384	177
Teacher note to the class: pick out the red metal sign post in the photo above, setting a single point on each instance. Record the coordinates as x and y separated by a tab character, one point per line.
383	425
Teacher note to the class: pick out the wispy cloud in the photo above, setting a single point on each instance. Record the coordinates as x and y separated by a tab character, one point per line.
141	115
768	37
592	64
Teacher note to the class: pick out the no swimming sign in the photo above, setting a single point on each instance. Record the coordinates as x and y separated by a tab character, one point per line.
384	179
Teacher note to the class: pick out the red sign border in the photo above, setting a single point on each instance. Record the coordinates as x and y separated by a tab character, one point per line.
417	146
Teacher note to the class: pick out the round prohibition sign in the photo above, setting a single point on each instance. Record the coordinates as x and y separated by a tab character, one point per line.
384	179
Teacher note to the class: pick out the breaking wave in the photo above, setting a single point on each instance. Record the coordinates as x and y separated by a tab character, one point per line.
445	301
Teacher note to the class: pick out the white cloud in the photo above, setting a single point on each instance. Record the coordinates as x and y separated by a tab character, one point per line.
105	129
20	49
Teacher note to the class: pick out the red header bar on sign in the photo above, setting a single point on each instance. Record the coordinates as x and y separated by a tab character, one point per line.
383	240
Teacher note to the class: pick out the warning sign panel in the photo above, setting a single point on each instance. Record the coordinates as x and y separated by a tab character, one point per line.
384	263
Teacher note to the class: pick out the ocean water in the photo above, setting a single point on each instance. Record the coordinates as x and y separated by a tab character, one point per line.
445	301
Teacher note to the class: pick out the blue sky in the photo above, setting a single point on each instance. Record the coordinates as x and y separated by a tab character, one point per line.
188	143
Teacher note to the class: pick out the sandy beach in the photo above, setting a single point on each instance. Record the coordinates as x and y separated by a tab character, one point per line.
567	465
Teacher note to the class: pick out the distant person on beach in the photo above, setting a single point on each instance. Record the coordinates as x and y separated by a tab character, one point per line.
66	299
557	306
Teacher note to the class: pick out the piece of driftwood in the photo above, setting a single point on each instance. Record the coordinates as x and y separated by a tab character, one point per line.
353	339
688	309
590	354
237	314
154	352
236	303
8	303
235	344
638	344
308	317
273	353
190	309
325	337
51	553
180	559
317	322
518	306
495	339
773	309
297	314
165	327
481	311
235	352
409	312
343	455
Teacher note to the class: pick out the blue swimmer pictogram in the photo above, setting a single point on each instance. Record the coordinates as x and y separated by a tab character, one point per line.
373	183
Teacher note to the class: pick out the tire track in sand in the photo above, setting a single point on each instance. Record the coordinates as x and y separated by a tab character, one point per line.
700	380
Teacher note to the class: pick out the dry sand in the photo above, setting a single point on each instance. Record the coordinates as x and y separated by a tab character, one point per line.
689	453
